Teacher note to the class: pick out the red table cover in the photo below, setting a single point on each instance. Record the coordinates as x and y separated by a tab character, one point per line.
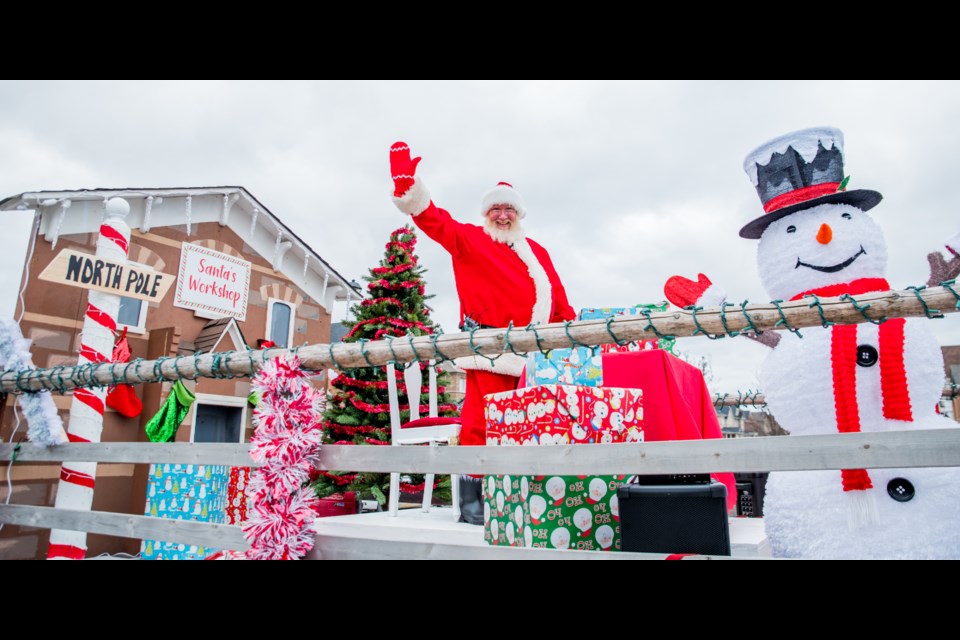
676	402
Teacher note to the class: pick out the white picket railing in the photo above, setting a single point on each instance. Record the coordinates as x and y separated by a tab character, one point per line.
921	448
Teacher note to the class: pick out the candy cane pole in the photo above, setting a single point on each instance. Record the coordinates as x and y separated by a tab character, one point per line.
77	479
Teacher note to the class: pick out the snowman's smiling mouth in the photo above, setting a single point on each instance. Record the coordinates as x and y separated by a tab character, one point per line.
837	267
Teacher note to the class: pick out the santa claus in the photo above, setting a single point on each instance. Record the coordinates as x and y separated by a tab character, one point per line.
502	277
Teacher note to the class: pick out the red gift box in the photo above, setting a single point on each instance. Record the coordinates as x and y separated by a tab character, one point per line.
564	414
338	505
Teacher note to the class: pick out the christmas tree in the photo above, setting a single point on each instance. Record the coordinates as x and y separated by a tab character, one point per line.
358	410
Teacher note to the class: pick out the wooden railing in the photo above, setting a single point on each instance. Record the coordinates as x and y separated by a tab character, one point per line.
921	448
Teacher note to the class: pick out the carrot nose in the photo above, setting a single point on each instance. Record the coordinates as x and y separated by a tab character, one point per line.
825	234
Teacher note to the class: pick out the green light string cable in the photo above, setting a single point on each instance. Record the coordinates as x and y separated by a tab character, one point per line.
862	309
723	319
650	326
947	285
783	319
816	303
930	313
616	340
699	329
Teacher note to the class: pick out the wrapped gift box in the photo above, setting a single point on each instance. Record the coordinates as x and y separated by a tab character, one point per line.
184	492
558	512
564	414
592	313
553	512
579	366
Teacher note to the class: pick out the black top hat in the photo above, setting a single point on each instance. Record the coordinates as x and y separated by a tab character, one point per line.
797	171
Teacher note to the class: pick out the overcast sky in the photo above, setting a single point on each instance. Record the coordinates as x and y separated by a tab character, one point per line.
626	183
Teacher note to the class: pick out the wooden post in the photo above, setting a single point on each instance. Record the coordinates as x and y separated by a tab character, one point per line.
77	479
494	342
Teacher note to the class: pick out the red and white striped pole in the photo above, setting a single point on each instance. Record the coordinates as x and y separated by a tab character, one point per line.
77	479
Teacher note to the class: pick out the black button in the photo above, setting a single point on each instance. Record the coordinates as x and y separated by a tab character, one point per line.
901	490
867	356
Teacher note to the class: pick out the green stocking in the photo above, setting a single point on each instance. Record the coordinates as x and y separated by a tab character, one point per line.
163	426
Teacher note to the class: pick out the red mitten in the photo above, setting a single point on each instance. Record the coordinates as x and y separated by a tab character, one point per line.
684	292
402	168
123	399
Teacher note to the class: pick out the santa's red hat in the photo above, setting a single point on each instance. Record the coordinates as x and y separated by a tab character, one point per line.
503	193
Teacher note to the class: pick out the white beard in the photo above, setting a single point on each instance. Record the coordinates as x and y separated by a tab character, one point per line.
514	234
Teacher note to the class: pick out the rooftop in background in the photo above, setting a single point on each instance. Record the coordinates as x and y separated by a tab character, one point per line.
951	362
81	211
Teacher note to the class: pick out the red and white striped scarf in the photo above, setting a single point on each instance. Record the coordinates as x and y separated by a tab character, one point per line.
843	355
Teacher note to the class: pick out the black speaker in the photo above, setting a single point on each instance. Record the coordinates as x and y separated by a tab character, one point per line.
751	488
689	518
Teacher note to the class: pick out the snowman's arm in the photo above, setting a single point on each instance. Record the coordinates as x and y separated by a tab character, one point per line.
945	265
767	338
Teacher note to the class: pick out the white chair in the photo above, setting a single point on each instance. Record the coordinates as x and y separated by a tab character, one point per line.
432	429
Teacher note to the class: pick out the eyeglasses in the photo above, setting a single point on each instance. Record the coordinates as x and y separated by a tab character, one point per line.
497	210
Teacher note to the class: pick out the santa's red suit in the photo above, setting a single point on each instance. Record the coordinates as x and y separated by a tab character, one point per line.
499	281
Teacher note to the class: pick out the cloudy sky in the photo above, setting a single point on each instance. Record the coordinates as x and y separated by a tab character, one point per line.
626	183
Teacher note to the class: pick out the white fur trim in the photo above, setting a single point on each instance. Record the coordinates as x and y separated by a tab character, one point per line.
502	194
507	364
541	307
415	201
713	296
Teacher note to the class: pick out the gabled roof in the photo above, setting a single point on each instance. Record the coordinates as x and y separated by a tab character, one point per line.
212	332
80	211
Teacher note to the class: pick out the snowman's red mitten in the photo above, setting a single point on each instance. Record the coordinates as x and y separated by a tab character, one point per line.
684	292
409	193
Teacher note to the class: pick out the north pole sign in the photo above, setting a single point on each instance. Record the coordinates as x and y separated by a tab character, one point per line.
76	269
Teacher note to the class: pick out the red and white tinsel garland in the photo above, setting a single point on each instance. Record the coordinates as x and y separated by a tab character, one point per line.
286	443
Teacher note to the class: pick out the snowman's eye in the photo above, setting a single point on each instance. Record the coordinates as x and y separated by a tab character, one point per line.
791	229
847	216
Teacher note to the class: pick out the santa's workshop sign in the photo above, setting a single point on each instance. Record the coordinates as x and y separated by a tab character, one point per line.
76	269
212	283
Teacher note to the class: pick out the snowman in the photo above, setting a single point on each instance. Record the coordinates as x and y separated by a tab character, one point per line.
817	238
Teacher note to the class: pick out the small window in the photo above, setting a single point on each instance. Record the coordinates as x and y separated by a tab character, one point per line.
214	423
132	315
133	312
280	316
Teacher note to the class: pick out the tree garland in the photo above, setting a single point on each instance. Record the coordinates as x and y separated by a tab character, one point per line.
369	302
375	384
287	444
396	322
353	430
406	284
385	408
396	269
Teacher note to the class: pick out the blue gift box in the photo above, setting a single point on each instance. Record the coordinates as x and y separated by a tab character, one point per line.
593	313
579	366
